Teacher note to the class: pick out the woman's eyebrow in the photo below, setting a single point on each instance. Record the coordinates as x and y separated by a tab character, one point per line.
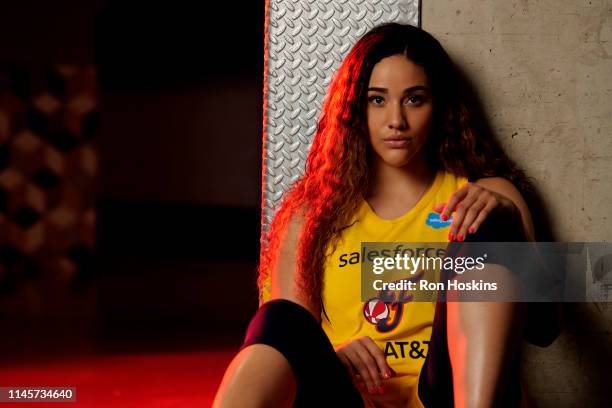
407	90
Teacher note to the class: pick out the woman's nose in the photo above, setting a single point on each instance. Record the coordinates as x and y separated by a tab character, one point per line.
397	118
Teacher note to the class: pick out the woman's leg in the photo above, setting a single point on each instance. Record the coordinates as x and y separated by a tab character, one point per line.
484	338
287	348
474	353
243	384
484	341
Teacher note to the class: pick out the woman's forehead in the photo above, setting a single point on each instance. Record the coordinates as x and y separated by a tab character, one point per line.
397	71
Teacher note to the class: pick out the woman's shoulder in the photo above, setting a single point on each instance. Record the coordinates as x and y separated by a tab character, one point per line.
451	182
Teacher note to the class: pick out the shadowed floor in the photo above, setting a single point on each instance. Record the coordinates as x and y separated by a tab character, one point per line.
168	379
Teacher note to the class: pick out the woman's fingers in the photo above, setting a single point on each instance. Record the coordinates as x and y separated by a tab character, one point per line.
367	367
344	359
482	215
365	362
379	357
439	207
357	359
471	214
460	210
360	384
453	201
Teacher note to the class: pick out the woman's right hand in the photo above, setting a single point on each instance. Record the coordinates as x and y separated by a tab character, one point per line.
366	363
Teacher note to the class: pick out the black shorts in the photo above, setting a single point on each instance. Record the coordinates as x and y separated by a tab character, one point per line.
322	380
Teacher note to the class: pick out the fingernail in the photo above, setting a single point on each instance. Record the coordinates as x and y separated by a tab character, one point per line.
444	217
371	390
381	390
471	230
459	237
386	376
451	236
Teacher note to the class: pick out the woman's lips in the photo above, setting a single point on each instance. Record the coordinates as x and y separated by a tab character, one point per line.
397	142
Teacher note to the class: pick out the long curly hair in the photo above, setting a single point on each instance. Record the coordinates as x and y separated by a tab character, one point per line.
336	176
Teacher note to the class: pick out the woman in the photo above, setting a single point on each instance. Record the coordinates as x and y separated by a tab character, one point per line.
395	151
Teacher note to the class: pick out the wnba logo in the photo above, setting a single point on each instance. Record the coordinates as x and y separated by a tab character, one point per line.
375	310
388	305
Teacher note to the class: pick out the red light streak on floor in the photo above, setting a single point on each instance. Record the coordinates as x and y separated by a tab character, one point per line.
156	380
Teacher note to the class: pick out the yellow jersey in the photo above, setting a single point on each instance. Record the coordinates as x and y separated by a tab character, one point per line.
407	325
405	333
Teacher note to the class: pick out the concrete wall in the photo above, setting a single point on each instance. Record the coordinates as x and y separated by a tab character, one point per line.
543	71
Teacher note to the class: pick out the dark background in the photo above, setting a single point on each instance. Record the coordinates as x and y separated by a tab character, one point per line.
179	189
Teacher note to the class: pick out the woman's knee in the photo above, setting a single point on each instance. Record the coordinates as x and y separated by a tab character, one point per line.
259	376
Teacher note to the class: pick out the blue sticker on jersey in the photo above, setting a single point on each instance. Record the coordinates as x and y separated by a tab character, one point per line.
434	221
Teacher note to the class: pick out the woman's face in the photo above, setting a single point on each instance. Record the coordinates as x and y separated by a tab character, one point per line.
399	110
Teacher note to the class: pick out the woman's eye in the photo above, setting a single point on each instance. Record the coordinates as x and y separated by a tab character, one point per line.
415	99
376	100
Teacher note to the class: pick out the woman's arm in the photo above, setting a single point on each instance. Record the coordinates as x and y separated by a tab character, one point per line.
283	277
243	383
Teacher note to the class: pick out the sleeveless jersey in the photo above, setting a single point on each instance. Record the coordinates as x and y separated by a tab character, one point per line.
404	338
406	343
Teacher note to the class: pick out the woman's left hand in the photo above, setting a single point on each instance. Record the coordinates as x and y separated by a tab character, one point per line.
472	203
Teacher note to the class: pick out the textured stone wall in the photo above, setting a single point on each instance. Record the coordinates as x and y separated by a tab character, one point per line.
543	72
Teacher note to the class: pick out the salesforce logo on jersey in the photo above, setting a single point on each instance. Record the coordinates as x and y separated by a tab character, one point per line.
434	221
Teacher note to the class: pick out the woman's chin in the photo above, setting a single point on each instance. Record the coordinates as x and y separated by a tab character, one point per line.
397	161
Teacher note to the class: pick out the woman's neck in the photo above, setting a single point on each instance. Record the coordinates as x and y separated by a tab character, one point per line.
406	183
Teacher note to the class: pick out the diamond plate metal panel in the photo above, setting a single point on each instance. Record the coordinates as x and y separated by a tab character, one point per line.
305	42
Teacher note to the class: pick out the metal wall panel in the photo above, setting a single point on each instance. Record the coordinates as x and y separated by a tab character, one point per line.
305	42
